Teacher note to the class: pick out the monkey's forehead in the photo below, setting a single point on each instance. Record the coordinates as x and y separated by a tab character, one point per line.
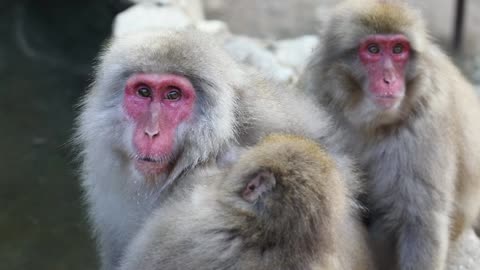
354	19
164	45
186	52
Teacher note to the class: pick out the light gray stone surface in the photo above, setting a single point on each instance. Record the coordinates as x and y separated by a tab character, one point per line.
253	53
194	8
149	16
295	52
465	253
218	29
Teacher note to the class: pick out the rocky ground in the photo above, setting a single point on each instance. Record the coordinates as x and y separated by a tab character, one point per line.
466	253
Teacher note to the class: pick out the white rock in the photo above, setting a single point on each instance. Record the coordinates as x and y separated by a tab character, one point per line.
253	53
149	16
216	28
295	52
465	253
194	8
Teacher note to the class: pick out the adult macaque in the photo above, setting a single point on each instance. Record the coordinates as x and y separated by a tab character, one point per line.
284	205
413	122
162	106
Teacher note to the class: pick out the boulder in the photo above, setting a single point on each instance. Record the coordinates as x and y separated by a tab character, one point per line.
295	52
150	16
254	53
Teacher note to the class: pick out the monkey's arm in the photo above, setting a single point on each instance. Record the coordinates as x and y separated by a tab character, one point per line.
424	202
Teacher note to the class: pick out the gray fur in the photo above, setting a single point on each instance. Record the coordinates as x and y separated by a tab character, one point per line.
422	162
233	108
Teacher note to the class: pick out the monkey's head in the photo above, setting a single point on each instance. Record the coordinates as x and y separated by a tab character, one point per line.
163	101
369	60
285	194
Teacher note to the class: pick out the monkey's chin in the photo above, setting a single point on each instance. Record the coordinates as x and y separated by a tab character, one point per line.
150	167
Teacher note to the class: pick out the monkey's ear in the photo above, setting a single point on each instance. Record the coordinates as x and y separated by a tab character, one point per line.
258	184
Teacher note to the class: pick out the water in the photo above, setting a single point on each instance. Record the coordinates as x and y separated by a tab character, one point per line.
44	68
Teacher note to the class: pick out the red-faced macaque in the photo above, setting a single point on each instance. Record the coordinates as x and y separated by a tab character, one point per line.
165	105
285	204
413	123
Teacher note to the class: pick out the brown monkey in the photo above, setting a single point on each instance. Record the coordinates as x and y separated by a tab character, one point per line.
164	105
412	120
284	205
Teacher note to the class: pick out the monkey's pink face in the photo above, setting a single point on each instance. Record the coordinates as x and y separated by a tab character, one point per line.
385	58
157	104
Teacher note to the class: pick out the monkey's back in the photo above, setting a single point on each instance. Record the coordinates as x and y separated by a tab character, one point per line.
307	221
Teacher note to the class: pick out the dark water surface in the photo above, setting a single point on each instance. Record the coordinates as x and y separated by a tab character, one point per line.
46	52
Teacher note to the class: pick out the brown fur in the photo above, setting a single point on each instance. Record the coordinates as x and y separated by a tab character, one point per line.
306	221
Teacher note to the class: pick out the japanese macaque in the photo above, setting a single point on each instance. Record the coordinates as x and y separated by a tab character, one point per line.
284	205
413	122
164	105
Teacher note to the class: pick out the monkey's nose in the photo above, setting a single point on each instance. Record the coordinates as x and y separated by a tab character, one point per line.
151	133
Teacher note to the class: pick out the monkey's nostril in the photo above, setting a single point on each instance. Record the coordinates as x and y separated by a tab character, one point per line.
386	81
151	134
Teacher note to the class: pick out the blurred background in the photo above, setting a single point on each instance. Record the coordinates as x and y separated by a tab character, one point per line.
47	50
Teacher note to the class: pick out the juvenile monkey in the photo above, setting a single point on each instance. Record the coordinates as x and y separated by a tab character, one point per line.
165	105
413	122
284	205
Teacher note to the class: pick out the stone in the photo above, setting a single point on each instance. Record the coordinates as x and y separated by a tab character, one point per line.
149	16
295	52
216	28
193	8
465	253
254	53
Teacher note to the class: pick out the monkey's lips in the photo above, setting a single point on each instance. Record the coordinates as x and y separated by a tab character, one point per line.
152	166
386	101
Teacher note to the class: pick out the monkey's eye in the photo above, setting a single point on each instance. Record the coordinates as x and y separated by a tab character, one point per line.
174	94
373	48
398	49
144	92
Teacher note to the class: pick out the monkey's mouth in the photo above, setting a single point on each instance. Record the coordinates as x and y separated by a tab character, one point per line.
149	159
153	165
386	101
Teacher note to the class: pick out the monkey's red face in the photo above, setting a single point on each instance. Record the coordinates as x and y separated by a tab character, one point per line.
385	58
157	104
